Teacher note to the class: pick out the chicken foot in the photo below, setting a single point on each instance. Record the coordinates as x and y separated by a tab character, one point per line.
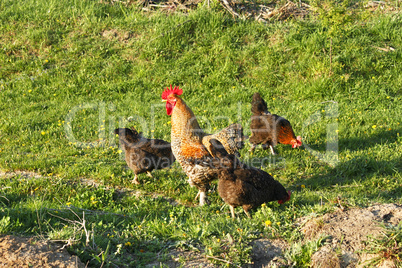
248	214
135	180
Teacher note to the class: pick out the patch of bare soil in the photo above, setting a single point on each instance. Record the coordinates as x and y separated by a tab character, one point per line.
24	174
111	34
268	253
27	252
348	233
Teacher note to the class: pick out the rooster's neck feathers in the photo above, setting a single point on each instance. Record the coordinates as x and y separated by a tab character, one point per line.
184	120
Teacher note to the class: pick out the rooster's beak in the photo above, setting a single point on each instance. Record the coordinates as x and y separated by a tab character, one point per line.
164	100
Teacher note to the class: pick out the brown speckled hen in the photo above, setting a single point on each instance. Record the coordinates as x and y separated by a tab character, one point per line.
142	154
243	185
269	129
191	145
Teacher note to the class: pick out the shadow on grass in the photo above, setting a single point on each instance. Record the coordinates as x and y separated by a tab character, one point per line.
361	170
369	140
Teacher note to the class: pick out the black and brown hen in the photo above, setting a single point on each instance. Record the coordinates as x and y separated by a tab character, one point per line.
142	154
243	185
269	129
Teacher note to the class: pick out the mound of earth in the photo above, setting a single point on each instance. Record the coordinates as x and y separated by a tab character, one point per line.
268	253
27	252
348	233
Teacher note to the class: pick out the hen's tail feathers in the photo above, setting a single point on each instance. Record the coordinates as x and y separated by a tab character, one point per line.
258	105
127	136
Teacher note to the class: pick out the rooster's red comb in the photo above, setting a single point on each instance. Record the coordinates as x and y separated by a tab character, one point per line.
176	90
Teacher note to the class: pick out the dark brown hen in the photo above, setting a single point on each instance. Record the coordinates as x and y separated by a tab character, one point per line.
269	129
142	154
245	186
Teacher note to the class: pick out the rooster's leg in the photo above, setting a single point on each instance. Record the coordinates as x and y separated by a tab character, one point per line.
232	212
135	181
149	174
203	197
198	194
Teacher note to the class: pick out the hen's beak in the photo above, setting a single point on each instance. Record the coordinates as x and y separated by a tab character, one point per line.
164	100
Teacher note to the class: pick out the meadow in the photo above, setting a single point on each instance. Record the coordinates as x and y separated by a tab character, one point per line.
73	71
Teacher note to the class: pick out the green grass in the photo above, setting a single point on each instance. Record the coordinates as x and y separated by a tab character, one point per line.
73	71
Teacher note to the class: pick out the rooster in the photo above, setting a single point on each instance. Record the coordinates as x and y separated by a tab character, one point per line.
269	129
191	145
242	185
142	154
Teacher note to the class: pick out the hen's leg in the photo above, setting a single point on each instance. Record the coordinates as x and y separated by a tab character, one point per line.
269	144
135	181
272	149
149	174
232	212
252	148
248	214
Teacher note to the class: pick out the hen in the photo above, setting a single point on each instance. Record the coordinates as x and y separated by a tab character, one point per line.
191	145
269	129
142	154
245	186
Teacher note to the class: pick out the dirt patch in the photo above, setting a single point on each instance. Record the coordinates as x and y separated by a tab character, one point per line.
325	257
122	36
24	174
268	253
348	233
29	252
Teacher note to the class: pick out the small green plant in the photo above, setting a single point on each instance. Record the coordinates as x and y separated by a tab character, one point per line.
337	17
387	247
299	254
5	224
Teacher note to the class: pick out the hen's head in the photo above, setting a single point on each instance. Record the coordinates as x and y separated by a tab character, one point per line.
297	142
169	95
286	198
